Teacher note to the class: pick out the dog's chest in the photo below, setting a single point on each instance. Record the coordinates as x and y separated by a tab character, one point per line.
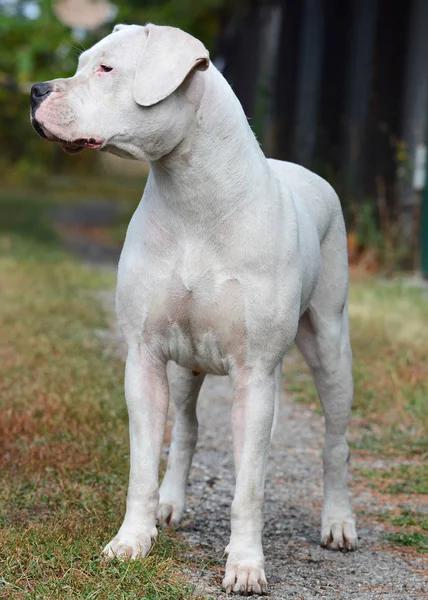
190	311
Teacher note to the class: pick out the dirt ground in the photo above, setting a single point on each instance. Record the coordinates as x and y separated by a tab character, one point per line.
296	566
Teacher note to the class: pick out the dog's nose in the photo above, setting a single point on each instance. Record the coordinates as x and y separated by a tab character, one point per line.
39	91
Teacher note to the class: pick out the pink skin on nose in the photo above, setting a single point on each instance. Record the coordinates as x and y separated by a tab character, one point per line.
55	120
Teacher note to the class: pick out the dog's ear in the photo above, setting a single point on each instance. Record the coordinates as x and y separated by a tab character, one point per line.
118	27
168	57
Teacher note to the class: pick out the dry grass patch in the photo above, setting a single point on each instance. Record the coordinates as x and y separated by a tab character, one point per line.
64	430
389	329
399	479
389	333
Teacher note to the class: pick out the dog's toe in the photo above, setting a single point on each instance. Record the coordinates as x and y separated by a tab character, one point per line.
169	513
129	545
245	578
339	534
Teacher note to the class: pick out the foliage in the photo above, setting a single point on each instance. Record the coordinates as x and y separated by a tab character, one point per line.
42	48
31	50
198	17
366	225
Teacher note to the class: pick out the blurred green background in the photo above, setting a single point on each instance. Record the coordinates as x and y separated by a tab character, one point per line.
37	46
340	86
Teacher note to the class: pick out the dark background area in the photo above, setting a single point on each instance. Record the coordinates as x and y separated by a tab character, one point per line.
340	86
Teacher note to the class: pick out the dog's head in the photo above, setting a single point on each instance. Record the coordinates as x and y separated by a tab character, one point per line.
135	93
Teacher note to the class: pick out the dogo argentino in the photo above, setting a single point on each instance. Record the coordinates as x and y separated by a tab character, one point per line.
228	259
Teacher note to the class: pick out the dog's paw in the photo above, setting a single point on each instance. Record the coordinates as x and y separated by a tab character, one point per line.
169	511
339	534
130	545
245	577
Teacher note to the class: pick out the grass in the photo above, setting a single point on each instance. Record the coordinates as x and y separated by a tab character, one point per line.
402	479
389	329
413	530
409	518
74	188
411	524
389	332
408	527
63	432
416	539
389	322
122	192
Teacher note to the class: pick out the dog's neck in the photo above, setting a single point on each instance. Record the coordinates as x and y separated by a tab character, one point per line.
214	171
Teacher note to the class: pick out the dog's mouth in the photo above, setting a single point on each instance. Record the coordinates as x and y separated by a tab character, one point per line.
71	147
80	144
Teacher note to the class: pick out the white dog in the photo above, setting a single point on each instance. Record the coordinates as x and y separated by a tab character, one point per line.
228	259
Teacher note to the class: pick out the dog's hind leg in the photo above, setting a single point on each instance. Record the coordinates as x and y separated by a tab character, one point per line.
278	393
323	339
185	387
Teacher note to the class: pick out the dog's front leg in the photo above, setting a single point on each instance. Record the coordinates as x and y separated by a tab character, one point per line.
146	390
252	418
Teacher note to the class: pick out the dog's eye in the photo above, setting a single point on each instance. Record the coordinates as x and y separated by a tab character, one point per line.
106	69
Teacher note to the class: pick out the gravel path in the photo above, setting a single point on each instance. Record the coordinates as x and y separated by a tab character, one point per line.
296	566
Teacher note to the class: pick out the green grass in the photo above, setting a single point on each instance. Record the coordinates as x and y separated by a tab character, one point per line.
416	539
410	527
409	518
402	479
389	329
389	332
63	431
19	207
73	188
